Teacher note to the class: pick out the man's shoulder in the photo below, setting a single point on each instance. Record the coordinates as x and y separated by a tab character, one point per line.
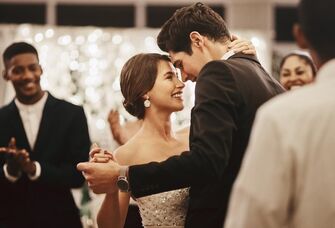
292	103
6	109
234	64
63	103
214	69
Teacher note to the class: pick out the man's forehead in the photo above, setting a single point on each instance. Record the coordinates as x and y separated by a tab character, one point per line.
25	58
175	57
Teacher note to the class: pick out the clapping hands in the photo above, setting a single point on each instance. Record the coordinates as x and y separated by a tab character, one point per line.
17	160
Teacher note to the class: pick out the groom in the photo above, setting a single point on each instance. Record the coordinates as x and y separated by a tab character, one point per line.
230	87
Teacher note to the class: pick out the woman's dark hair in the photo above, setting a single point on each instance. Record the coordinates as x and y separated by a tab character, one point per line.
302	55
138	76
174	34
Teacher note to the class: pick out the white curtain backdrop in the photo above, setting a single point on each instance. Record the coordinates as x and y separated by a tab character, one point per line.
82	65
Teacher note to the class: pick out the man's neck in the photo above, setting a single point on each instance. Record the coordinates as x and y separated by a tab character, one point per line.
31	100
218	49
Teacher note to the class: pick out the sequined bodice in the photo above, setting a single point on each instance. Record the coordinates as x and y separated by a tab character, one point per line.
167	209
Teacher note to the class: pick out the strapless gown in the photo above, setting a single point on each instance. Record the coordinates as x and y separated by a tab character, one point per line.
163	210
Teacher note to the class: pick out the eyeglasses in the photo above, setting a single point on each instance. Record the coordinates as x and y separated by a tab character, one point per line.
19	71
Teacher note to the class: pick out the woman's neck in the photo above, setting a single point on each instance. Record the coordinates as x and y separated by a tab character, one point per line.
158	124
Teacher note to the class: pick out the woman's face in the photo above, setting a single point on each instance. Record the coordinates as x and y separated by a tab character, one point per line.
166	93
295	72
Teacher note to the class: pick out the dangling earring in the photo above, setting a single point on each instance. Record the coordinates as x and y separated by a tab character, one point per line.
147	102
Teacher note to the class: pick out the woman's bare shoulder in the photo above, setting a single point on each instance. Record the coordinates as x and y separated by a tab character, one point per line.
126	154
183	134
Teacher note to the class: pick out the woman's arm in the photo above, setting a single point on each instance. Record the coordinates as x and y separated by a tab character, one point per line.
113	211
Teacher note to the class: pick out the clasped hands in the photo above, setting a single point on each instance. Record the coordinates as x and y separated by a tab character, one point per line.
101	172
17	160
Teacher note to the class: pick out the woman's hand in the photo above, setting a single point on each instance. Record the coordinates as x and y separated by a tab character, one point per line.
242	45
100	156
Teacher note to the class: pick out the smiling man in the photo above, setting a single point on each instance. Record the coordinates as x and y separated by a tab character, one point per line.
41	140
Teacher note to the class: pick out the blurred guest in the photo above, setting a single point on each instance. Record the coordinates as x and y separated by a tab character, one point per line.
122	133
42	139
296	69
288	177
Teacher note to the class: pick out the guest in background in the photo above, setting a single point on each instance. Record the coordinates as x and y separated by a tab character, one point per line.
122	133
288	177
42	139
296	69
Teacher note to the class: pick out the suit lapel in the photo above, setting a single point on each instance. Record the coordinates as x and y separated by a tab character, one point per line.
17	124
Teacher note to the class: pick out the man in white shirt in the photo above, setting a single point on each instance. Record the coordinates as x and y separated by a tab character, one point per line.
288	177
42	139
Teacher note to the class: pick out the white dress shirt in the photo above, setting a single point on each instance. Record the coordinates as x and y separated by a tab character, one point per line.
287	178
31	116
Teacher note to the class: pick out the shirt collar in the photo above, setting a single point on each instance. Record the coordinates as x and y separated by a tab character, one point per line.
31	107
326	72
227	55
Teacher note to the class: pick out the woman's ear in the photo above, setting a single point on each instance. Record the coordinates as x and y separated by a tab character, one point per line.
300	37
145	96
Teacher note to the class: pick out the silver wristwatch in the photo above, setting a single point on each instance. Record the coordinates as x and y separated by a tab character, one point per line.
122	181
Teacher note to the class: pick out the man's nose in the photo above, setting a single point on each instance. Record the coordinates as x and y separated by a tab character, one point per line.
184	76
27	74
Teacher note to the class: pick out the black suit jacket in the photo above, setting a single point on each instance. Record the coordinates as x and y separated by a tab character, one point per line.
227	95
62	142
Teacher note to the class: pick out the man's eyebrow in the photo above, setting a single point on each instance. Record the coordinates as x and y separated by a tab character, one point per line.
176	63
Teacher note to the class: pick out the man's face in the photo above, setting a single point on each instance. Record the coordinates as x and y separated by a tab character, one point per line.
24	71
189	65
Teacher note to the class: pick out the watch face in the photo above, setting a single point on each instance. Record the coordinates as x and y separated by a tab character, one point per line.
123	185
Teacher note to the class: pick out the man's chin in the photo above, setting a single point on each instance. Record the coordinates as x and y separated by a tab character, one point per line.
29	94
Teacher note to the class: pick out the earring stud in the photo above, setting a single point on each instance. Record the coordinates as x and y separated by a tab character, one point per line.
147	103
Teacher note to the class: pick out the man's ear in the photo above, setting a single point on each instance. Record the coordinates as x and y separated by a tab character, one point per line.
300	37
196	39
5	75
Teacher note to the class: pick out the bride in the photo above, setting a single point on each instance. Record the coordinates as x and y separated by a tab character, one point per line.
152	92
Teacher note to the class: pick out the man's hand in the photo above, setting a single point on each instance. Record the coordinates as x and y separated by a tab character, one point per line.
18	160
13	166
101	177
25	163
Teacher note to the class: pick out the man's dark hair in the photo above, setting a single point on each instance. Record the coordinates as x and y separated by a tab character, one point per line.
317	18
174	35
16	49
